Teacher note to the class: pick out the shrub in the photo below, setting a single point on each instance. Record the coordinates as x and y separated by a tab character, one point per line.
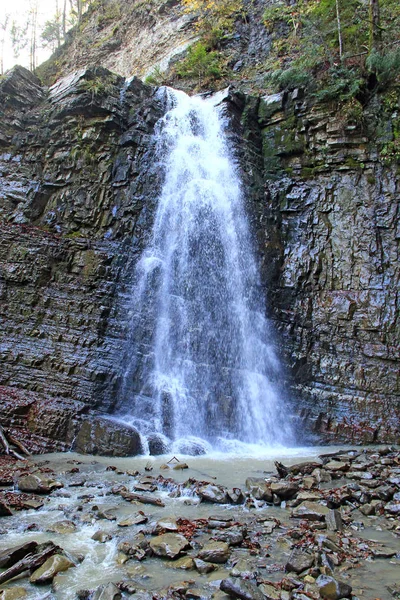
200	63
386	66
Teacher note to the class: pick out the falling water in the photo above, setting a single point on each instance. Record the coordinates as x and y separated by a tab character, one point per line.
201	363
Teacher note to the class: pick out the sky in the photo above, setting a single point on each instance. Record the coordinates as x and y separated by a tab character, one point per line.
18	10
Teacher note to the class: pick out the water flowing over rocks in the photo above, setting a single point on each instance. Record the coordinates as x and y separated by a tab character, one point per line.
258	549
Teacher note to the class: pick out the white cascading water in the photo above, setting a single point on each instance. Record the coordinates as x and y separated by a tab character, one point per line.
201	363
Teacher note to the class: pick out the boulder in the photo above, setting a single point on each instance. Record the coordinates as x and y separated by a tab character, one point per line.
284	489
238	588
37	483
158	444
169	545
232	536
331	589
213	493
62	527
105	437
53	565
311	511
215	552
299	561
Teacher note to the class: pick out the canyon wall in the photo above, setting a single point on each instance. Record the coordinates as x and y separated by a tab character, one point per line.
77	194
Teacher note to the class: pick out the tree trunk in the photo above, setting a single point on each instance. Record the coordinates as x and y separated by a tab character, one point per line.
375	30
339	29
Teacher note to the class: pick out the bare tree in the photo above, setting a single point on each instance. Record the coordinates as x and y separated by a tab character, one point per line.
339	30
375	31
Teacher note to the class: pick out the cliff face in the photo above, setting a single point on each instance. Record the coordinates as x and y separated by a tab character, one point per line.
74	195
129	38
78	191
332	234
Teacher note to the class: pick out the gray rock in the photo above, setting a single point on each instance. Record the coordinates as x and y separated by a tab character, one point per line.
285	489
108	591
331	589
334	521
215	552
299	561
238	588
169	545
107	438
203	567
232	536
311	511
38	483
213	493
53	565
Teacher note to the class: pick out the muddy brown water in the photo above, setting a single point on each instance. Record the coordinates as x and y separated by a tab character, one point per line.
99	564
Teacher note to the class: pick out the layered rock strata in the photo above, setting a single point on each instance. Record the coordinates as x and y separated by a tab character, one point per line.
77	195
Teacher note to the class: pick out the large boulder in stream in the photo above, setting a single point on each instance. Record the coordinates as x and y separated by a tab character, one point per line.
106	437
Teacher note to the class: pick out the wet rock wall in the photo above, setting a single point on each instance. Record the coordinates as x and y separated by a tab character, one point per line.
328	234
74	209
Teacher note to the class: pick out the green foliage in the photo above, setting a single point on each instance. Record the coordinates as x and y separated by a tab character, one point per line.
340	83
385	65
287	79
200	64
215	18
96	86
308	45
156	77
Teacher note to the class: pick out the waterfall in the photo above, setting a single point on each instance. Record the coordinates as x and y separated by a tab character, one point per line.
200	360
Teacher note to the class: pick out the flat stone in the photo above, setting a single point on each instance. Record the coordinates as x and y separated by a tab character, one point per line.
215	552
299	561
62	527
185	563
13	593
337	465
53	565
310	511
168	523
239	588
331	589
232	536
138	519
285	489
38	484
169	545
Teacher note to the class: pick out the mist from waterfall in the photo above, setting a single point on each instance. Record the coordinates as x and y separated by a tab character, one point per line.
201	363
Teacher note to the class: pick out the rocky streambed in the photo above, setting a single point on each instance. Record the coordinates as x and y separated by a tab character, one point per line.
318	524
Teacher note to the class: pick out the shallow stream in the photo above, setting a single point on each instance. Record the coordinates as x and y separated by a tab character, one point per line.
99	561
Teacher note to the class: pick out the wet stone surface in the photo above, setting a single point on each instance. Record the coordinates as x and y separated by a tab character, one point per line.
309	537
